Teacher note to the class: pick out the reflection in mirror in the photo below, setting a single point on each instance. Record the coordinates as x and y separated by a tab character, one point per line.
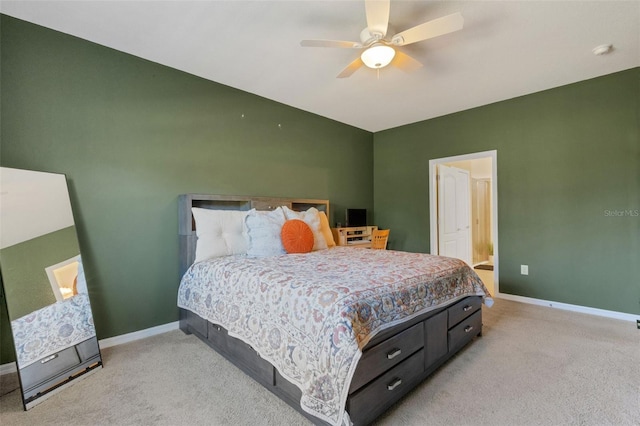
44	284
64	278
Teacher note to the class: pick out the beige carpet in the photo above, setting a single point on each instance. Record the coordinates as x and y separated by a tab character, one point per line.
533	366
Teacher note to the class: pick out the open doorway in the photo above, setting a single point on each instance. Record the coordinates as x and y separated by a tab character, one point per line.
464	211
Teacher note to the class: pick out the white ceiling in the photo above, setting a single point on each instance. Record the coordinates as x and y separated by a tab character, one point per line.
506	49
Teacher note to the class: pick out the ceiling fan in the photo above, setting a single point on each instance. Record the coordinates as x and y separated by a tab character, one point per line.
380	49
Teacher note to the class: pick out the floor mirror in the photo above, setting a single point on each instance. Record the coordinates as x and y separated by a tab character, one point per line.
44	284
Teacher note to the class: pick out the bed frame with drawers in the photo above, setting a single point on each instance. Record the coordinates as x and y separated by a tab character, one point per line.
393	363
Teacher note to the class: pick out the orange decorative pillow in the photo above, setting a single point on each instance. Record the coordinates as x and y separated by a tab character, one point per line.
297	236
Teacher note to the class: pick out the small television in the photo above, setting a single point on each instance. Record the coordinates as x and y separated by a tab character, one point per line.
356	217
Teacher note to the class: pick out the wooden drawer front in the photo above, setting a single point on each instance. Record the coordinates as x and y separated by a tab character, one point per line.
462	333
375	398
48	367
463	309
88	349
197	324
217	336
435	340
249	359
386	354
290	390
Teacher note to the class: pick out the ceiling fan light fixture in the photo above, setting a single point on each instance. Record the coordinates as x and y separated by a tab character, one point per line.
378	56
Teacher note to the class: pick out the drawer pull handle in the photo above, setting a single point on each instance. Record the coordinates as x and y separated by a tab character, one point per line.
468	328
467	308
394	353
395	384
49	358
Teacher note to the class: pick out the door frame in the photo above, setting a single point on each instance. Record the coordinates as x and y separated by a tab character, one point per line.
433	204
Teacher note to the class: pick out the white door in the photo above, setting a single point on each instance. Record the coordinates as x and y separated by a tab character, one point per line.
454	214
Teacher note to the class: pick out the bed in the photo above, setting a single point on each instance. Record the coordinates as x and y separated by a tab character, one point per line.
48	330
338	333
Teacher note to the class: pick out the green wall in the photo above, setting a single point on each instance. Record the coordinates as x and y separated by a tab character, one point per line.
7	353
23	270
565	157
132	135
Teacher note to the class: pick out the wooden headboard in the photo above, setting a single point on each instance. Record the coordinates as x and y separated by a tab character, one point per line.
187	226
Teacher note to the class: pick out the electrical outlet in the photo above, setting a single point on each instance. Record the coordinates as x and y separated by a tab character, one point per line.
524	269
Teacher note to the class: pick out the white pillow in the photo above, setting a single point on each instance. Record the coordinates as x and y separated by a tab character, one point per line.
263	228
220	233
312	218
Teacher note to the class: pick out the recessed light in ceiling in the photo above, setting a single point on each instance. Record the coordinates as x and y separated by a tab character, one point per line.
603	49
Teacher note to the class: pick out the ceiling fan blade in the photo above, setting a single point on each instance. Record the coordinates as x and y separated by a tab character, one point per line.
405	62
377	16
331	43
351	68
437	27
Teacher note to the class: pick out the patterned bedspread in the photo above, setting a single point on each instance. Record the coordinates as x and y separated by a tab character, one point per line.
52	328
311	314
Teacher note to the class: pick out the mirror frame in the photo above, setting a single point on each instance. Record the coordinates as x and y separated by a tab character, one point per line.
55	344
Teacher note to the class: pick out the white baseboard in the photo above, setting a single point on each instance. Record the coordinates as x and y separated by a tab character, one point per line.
8	368
112	341
137	335
568	307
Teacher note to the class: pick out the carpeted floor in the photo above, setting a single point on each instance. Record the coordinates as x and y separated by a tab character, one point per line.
533	366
